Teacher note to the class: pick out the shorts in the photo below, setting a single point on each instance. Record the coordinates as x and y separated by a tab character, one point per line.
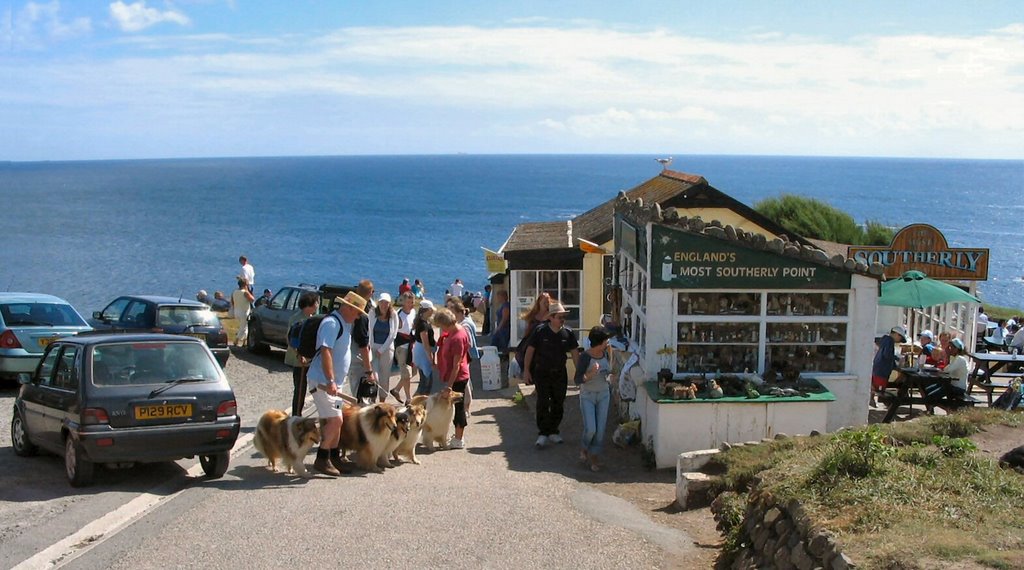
879	383
327	406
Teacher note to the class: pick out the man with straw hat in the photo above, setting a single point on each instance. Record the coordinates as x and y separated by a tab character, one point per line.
326	371
544	366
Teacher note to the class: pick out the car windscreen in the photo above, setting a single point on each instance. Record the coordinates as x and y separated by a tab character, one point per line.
172	316
40	315
151	362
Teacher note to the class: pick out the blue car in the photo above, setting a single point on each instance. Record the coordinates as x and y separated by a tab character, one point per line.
169	315
29	322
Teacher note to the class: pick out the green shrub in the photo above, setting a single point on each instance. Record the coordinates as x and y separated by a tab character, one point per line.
920	455
954	446
854	454
812	218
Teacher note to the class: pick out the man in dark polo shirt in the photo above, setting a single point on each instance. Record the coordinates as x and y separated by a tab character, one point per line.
544	366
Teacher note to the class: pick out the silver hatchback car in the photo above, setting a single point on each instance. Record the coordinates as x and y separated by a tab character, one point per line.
29	322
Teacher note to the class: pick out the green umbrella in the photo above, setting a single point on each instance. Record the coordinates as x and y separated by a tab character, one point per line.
915	289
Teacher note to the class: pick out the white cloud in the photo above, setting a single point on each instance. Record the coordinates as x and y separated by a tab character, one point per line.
588	88
137	16
37	25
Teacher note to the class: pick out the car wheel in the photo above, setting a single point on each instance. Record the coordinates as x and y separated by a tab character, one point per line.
79	469
222	359
19	437
254	341
216	465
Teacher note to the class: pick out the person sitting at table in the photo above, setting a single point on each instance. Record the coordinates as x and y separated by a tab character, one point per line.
885	360
957	369
926	342
944	340
1016	340
996	339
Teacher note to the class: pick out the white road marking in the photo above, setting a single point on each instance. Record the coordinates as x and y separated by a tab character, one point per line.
99	530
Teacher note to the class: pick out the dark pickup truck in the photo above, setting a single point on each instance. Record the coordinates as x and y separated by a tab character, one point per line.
268	324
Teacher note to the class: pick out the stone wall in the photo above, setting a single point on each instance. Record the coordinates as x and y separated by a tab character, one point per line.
781	536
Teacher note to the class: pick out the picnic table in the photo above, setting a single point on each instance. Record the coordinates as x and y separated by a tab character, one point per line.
987	365
926	386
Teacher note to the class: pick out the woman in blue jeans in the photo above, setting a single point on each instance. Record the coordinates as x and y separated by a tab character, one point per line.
423	348
595	395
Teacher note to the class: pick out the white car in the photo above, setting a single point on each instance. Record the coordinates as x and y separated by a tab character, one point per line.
29	322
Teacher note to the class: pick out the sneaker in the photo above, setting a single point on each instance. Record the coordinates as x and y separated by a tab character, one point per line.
457	443
541	441
555	438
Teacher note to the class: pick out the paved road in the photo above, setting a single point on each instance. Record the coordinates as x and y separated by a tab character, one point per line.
498	503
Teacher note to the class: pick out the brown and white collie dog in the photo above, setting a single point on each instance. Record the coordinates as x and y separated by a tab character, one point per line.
440	413
366	431
289	438
405	449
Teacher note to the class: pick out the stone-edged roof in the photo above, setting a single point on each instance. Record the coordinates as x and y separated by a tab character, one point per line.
595	225
669	189
638	211
540	235
830	247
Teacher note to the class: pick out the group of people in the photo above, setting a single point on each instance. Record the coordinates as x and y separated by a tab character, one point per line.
1000	334
356	345
241	302
945	352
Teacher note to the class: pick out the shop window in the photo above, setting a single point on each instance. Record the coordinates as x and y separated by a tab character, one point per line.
808	304
718	304
634	301
716	347
561	285
818	347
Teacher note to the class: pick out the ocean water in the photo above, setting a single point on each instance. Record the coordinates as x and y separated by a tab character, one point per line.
89	231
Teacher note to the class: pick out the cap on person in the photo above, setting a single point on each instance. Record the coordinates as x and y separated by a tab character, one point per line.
557	308
427	304
926	333
900	330
202	293
384	297
958	344
352	299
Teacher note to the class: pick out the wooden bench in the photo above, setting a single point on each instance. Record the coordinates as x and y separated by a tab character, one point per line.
999	382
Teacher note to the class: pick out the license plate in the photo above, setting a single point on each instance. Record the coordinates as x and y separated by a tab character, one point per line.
163	411
200	336
44	342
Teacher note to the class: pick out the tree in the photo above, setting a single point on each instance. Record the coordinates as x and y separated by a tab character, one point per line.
813	218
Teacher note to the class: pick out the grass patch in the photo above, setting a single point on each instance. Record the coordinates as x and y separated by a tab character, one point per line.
910	495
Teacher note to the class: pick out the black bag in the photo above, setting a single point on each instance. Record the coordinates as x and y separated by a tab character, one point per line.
366	393
1009	400
307	334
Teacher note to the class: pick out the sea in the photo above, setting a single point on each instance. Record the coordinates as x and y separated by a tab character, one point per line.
90	231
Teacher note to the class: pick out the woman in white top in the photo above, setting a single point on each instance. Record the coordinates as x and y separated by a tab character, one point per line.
403	346
241	304
383	330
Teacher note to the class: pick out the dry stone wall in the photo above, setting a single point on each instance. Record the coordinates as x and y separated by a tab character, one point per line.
781	536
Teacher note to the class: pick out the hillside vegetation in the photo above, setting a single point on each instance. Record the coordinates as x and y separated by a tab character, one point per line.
813	218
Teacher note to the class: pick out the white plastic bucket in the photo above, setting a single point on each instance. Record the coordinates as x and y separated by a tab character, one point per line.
490	368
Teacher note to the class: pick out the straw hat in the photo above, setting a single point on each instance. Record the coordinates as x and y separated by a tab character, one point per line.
556	308
352	299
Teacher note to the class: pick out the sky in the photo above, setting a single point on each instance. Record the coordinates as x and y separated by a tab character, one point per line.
83	80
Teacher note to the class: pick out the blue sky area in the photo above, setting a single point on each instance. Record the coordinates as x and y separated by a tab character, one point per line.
96	80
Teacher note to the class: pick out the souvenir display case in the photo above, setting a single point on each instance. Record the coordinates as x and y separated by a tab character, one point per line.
756	331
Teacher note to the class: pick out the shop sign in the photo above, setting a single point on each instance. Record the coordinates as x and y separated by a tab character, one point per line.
923	248
682	260
495	261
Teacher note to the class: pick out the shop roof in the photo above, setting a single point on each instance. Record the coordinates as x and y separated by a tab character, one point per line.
540	235
668	189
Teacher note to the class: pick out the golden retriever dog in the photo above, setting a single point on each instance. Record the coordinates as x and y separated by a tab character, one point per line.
406	449
366	431
289	438
440	413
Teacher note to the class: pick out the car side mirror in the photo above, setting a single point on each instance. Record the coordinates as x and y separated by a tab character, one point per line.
98	315
24	378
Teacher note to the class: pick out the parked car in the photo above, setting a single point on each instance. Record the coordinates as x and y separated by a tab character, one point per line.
268	324
171	315
120	399
28	323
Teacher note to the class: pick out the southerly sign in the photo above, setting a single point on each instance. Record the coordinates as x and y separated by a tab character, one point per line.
682	260
923	248
495	261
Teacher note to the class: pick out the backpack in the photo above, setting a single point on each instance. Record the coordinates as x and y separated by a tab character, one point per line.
306	334
366	393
